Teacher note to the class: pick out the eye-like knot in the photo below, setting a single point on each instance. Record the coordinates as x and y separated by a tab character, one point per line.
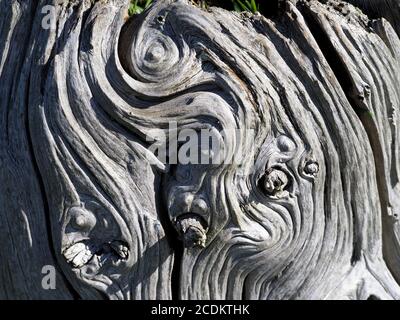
81	219
285	144
155	59
155	53
311	168
275	182
192	230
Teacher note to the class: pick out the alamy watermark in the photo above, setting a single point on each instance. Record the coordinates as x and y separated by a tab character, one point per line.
49	17
185	146
203	146
49	277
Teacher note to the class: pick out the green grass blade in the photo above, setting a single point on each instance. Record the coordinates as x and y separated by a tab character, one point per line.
242	5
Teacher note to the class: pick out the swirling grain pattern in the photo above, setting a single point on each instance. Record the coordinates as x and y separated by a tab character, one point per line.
299	216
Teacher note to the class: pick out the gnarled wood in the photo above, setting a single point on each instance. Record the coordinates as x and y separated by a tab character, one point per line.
308	210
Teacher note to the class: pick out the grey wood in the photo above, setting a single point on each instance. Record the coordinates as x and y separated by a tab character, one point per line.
310	209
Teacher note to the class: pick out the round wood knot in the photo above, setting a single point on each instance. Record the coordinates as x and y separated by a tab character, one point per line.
286	144
155	53
192	229
275	182
81	219
311	168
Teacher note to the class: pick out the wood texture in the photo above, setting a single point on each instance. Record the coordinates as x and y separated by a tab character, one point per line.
310	210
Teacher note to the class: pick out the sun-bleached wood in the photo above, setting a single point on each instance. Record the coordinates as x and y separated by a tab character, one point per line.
309	212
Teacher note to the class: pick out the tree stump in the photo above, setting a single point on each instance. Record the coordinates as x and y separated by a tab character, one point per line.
309	211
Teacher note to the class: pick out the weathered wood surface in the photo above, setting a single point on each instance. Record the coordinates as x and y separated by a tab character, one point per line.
309	212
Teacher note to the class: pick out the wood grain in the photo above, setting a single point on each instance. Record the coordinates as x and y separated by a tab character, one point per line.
310	210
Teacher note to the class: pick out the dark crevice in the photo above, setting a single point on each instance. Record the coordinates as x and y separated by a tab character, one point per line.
246	284
84	18
176	271
344	78
173	241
